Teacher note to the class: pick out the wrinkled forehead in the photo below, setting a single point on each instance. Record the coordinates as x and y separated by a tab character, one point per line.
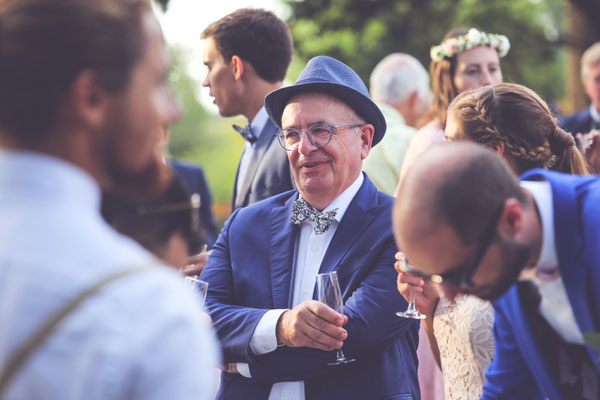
311	107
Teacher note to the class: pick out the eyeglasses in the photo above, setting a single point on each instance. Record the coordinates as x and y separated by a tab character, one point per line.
460	275
318	134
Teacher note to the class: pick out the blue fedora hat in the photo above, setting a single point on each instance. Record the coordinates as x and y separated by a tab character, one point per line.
328	75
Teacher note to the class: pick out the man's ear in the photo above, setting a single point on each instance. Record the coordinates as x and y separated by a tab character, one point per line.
512	219
89	98
238	67
367	132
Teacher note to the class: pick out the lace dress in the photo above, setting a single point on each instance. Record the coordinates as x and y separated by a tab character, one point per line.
463	330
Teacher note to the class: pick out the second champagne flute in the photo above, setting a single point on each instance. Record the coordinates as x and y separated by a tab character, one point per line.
411	310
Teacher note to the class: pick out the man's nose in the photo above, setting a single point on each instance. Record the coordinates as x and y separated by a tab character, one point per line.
305	146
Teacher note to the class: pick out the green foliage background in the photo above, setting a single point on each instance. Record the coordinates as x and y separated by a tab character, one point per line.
360	33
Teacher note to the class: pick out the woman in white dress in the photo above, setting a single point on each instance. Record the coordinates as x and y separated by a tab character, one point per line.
466	59
516	123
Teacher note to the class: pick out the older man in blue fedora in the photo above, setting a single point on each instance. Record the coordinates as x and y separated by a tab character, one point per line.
278	340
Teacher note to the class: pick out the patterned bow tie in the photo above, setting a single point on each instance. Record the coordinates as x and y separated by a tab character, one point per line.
301	211
246	133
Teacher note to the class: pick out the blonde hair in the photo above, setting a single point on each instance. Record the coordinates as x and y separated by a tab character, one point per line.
589	59
521	120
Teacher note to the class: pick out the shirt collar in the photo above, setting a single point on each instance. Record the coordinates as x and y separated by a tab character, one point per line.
542	195
259	121
345	198
43	178
594	113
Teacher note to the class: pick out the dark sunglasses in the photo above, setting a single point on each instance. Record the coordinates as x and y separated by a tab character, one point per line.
461	275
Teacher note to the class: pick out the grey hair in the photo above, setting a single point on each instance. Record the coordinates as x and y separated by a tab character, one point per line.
396	77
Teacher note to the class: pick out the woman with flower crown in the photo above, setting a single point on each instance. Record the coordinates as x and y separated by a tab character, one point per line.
459	332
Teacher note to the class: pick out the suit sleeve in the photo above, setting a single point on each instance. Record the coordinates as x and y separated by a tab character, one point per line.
508	376
372	325
208	218
234	324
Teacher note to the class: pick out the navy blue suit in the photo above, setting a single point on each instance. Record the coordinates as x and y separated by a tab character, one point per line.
193	178
250	272
579	122
519	369
268	171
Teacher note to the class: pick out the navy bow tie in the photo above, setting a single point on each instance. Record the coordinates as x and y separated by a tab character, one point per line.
246	133
301	211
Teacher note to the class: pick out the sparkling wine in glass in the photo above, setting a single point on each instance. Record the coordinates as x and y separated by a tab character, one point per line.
328	288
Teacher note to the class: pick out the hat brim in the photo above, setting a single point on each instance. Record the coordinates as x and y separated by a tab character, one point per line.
276	101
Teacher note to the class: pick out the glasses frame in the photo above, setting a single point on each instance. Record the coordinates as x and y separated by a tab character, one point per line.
281	134
462	279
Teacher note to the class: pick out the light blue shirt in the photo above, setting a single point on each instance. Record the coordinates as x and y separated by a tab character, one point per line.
257	125
140	337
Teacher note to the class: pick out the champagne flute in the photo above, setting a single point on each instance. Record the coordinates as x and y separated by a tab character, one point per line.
328	289
198	286
411	310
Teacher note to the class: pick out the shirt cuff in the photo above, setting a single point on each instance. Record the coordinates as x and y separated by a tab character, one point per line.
264	338
244	370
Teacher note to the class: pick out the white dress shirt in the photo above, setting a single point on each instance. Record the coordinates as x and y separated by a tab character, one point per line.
554	305
257	125
140	337
310	252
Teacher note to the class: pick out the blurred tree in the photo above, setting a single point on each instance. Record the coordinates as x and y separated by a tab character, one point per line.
362	32
204	138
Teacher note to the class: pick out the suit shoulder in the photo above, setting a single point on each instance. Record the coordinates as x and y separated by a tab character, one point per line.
269	203
185	166
572	122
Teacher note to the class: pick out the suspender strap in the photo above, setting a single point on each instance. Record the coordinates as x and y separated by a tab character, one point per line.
23	353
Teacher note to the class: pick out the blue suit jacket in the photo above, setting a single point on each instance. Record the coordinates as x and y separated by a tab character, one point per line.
579	122
193	178
250	272
268	171
518	370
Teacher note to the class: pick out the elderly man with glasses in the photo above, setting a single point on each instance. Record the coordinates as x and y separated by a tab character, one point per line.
465	222
278	341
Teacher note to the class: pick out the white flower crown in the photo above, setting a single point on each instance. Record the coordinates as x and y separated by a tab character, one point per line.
454	45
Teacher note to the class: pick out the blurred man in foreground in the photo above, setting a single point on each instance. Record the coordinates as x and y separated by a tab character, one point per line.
466	222
82	88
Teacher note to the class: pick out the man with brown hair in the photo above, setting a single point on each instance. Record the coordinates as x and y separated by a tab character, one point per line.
82	88
247	54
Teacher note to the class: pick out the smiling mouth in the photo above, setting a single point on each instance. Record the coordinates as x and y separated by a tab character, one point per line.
312	164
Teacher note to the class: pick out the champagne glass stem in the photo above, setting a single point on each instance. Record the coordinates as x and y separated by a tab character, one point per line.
411	311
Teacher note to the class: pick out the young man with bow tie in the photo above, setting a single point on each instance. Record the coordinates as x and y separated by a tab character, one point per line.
247	54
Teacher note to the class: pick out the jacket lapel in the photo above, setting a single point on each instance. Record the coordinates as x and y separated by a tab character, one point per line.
569	248
527	342
356	219
260	148
282	240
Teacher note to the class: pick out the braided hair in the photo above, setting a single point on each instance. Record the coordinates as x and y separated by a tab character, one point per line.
518	118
